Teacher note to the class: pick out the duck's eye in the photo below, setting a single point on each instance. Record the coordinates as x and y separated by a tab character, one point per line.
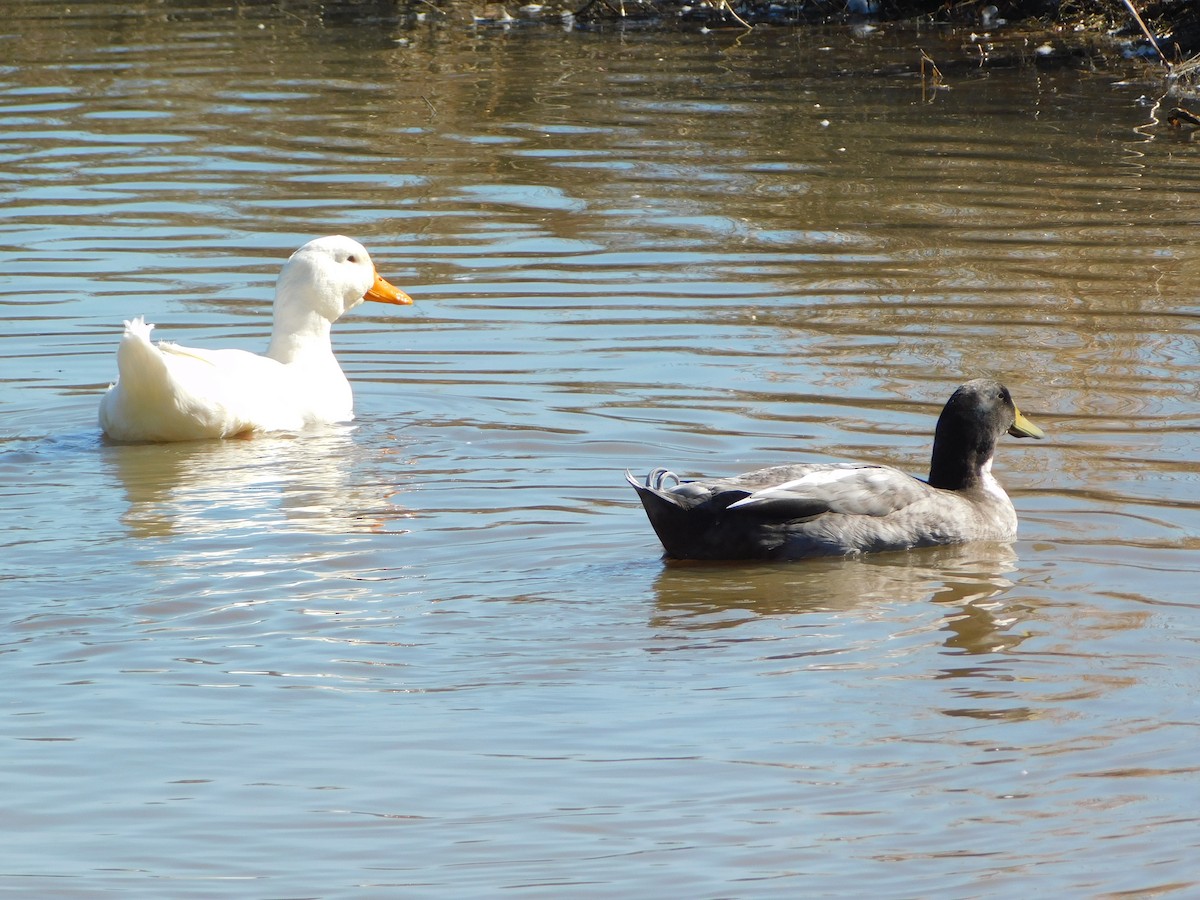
352	258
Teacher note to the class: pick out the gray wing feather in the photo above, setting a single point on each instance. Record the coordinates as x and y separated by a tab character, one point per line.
875	491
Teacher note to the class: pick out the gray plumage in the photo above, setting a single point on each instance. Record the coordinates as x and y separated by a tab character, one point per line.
790	512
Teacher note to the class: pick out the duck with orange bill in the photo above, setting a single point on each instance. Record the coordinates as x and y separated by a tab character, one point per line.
167	392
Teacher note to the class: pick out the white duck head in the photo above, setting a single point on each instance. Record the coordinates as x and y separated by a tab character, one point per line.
320	282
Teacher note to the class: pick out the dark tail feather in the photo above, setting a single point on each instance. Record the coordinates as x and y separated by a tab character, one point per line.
668	516
695	525
681	523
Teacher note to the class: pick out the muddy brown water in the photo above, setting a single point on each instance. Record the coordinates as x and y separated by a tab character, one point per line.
436	653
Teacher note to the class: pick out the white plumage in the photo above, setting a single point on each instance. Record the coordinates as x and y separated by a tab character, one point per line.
165	392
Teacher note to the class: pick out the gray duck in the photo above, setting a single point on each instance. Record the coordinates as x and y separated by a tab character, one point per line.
798	511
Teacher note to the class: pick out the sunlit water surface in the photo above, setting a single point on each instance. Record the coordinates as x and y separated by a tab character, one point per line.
436	652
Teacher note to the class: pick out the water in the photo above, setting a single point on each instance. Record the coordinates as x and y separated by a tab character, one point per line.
435	653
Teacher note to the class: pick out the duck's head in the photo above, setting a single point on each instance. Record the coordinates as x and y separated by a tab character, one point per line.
330	276
967	430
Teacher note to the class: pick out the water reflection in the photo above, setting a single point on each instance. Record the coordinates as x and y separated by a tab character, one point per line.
266	483
964	579
736	252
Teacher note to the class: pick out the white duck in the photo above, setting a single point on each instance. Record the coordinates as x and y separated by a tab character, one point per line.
166	392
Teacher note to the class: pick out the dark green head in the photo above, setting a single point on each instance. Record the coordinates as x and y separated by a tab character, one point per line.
971	422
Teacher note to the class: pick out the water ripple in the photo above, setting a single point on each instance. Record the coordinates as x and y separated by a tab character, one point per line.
450	617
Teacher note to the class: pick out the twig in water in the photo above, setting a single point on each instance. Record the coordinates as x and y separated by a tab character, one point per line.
931	80
724	6
1146	32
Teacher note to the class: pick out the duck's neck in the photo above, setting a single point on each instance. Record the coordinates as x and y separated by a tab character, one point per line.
958	463
299	334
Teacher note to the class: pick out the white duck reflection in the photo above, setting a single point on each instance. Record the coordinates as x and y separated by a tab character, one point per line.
267	484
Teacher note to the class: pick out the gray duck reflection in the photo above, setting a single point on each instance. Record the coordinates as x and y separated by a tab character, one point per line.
279	483
965	580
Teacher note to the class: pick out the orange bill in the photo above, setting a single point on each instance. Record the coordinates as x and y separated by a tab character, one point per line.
384	292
